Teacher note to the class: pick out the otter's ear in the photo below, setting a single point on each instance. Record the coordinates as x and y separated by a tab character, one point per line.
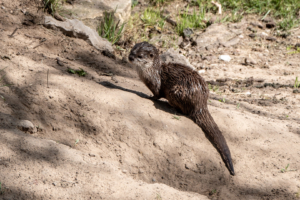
151	55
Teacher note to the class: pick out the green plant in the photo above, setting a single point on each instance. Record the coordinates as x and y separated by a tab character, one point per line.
297	83
222	100
76	141
159	2
80	72
176	117
286	11
158	197
285	169
52	6
152	17
134	3
293	52
109	29
193	21
238	106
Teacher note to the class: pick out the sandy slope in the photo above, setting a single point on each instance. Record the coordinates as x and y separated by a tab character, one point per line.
128	147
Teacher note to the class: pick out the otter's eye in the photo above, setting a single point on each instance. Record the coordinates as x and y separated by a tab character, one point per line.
151	55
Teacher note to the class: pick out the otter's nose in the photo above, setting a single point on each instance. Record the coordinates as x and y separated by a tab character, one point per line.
131	58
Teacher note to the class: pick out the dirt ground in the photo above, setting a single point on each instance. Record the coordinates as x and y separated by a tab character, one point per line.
101	137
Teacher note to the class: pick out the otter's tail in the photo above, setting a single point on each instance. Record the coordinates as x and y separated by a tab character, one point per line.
213	133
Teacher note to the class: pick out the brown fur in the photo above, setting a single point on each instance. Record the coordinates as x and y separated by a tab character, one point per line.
184	89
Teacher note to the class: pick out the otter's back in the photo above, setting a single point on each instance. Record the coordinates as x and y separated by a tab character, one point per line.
183	87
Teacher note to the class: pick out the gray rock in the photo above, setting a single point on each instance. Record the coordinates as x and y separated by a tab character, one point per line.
90	11
75	28
187	32
26	126
171	56
231	42
250	61
269	38
216	33
256	24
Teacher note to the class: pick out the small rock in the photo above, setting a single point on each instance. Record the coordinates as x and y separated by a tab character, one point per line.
76	28
296	91
252	29
184	44
187	32
252	35
201	71
187	166
54	183
257	24
153	179
124	171
225	58
297	45
271	38
3	7
92	155
268	20
179	40
263	34
231	42
250	61
172	56
26	126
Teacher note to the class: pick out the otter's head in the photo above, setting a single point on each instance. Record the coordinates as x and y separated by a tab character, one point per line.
144	55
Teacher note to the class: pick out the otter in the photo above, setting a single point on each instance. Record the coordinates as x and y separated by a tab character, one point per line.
184	89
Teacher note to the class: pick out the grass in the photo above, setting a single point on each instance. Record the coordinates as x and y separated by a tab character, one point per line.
134	3
110	29
52	6
293	52
285	169
159	2
80	72
285	11
297	83
152	17
222	100
193	21
176	117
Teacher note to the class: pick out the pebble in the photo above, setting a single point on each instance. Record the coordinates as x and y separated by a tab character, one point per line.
296	91
3	7
225	58
26	126
271	38
187	32
250	61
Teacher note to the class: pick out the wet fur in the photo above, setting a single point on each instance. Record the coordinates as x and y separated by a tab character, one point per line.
184	89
